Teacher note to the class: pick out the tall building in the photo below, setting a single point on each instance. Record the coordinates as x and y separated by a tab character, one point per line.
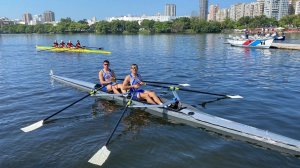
261	4
49	16
297	7
276	8
203	9
27	17
292	6
213	10
170	10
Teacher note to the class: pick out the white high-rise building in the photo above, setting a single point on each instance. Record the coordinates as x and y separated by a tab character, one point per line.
261	4
170	10
276	8
297	7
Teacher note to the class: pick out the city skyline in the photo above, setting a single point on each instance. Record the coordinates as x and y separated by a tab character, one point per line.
78	10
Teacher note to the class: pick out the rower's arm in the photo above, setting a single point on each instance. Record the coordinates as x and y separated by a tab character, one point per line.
113	78
125	85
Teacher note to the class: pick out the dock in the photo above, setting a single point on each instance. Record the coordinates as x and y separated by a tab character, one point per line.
285	46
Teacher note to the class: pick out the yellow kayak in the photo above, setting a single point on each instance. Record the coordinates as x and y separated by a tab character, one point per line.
81	50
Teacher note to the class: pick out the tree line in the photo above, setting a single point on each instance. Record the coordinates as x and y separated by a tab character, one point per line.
179	25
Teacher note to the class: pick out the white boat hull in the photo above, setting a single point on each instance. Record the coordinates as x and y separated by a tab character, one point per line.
248	43
194	117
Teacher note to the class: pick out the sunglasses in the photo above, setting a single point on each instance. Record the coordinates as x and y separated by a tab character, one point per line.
105	64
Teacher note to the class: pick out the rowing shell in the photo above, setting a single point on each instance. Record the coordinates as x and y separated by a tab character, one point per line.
80	50
194	117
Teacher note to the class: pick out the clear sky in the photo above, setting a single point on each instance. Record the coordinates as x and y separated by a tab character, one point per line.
86	9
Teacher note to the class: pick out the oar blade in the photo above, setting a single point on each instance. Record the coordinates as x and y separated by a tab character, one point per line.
234	96
100	157
184	84
33	126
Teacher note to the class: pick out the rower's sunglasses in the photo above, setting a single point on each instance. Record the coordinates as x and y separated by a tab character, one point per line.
134	68
106	64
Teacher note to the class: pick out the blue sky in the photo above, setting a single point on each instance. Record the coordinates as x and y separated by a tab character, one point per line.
85	9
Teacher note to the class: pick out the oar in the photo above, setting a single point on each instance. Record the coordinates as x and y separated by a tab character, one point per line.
102	154
99	48
198	91
167	83
41	122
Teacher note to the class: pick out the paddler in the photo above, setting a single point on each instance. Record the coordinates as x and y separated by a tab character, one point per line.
55	44
107	77
62	44
78	45
70	44
133	82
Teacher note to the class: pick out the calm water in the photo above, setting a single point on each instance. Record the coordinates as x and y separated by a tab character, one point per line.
267	79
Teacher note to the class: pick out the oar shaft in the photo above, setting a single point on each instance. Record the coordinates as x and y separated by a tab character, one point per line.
167	83
67	107
188	90
117	124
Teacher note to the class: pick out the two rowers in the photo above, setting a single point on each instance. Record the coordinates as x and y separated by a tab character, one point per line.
132	82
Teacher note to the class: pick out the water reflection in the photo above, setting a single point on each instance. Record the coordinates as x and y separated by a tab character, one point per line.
100	106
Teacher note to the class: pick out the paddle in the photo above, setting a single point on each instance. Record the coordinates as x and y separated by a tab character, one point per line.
197	91
99	48
167	83
41	122
101	155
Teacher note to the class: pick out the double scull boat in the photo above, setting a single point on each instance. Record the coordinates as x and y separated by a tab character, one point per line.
190	115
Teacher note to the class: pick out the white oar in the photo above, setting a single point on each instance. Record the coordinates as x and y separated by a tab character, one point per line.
101	155
41	122
197	91
165	83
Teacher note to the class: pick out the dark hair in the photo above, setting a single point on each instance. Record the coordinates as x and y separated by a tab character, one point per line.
106	61
135	65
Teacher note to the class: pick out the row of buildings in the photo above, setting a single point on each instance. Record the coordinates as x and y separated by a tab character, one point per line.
169	14
46	17
271	8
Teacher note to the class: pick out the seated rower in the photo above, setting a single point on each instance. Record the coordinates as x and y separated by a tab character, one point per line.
107	77
133	83
70	44
55	44
78	45
62	44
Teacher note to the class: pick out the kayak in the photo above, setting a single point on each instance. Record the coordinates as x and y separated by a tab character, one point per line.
79	50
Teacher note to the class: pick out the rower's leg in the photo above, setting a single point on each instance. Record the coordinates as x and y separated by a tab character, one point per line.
109	88
153	96
115	89
146	97
120	87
